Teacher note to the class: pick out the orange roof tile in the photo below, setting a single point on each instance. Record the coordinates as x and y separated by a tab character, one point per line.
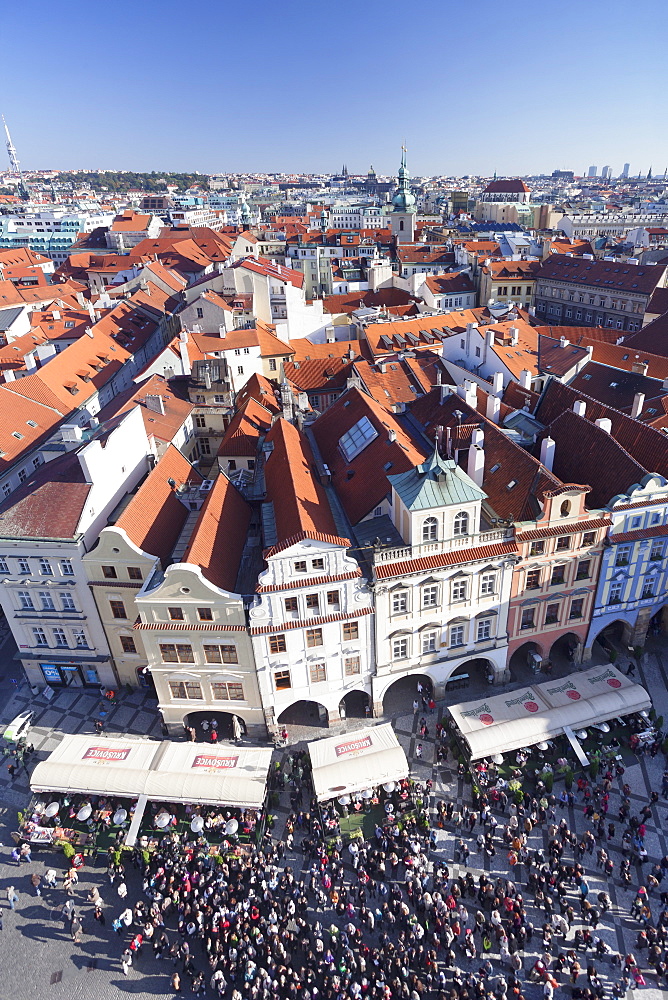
218	539
244	430
300	502
154	517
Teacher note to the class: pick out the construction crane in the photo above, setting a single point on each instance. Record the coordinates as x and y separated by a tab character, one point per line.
14	162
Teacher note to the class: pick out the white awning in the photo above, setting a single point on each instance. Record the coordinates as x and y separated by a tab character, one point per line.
343	765
200	772
170	772
95	765
532	714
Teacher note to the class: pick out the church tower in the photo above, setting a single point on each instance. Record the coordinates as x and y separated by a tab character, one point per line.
403	214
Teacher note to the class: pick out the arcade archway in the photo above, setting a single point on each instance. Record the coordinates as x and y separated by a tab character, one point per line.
305	713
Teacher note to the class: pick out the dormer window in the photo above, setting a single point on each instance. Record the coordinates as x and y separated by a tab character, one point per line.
430	530
461	525
565	508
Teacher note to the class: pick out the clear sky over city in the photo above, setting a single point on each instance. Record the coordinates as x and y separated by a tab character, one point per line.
260	86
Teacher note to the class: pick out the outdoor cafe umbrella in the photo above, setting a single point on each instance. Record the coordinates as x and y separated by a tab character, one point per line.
85	812
52	809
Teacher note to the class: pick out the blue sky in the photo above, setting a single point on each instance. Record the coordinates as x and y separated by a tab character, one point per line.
512	86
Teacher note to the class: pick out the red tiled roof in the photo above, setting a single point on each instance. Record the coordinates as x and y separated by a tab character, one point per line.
316	536
657	531
645	447
154	518
340	616
312	581
262	390
161	426
243	432
385	570
568	528
318	373
514	186
362	484
218	539
49	504
605	275
304	350
300	502
449	284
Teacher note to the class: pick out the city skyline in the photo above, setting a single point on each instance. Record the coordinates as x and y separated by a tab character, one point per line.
259	91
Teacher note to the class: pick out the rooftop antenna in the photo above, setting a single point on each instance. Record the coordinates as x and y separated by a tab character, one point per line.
14	161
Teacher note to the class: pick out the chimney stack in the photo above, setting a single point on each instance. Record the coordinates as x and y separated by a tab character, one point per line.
391	435
469	393
525	379
547	452
476	457
497	383
514	336
605	423
493	408
638	403
580	407
640	367
564	342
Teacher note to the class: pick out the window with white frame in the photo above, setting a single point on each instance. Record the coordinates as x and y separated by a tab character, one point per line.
46	600
80	639
399	602
39	636
615	595
45	567
429	529
59	637
400	648
488	584
4	568
484	629
67	601
459	590
25	597
66	567
648	588
429	641
461	524
430	595
456	635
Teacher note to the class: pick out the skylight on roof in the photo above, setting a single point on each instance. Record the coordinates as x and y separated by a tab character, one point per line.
357	438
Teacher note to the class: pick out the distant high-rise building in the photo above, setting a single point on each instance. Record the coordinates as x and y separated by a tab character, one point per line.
625	171
606	172
592	172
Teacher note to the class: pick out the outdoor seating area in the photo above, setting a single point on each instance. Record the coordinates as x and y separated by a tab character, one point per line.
94	793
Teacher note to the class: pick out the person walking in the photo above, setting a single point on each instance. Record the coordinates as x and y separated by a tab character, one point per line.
36	883
126	961
76	929
12	897
176	982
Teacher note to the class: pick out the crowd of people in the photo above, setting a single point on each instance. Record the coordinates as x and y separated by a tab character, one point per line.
394	916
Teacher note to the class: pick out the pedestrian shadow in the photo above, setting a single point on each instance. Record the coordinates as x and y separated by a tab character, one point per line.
43	932
152	985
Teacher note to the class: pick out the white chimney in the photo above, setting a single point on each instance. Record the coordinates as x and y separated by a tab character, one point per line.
10	376
525	379
564	341
493	408
514	336
665	384
497	383
222	332
547	452
476	462
470	394
392	436
605	423
638	403
30	363
185	357
580	407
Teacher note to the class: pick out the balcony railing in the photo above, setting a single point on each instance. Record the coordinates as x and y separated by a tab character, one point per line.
447	545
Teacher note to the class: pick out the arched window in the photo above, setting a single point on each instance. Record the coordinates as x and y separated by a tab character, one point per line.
461	524
401	224
565	508
430	530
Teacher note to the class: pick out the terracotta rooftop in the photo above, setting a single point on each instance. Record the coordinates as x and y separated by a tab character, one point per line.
449	284
610	276
262	390
162	426
218	539
361	483
154	517
243	433
300	502
49	504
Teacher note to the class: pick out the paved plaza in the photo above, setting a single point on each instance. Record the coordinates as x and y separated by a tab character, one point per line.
37	956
